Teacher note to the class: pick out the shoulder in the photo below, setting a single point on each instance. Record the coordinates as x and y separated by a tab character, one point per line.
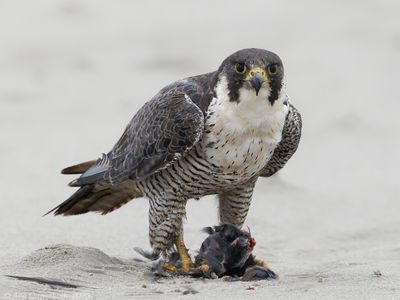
200	89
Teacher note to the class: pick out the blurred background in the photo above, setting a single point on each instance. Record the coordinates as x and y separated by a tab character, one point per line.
73	73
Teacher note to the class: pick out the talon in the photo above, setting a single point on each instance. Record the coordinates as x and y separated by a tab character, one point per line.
204	267
261	263
169	267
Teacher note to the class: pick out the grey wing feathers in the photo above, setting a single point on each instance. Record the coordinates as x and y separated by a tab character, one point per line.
162	130
288	145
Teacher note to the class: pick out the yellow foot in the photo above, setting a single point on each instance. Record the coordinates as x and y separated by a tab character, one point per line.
203	267
168	267
261	263
184	257
186	265
195	271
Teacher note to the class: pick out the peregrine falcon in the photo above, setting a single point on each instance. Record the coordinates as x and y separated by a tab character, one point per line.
211	134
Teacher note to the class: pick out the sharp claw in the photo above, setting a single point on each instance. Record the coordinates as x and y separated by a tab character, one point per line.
204	268
169	267
261	263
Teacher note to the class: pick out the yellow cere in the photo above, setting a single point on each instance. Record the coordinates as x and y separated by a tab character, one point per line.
256	70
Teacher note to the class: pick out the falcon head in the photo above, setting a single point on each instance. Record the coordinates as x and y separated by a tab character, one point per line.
252	74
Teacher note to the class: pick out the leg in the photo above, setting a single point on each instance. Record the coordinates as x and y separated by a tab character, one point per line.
234	204
165	219
233	208
166	229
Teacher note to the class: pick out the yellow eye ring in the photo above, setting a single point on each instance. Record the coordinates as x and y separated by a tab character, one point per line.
240	68
272	69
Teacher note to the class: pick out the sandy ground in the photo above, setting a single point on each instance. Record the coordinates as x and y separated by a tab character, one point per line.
73	73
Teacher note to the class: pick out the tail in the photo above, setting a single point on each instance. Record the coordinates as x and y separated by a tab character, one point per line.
100	196
79	168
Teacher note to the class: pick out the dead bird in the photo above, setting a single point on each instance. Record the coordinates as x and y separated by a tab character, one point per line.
228	251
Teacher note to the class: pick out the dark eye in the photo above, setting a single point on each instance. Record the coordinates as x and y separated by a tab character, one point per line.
240	68
272	69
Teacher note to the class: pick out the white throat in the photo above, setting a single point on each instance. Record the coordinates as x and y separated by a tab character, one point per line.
251	111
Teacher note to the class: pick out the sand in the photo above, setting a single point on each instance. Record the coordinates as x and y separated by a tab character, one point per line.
73	73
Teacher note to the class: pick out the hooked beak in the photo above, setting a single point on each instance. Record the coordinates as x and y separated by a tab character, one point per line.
257	77
256	82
